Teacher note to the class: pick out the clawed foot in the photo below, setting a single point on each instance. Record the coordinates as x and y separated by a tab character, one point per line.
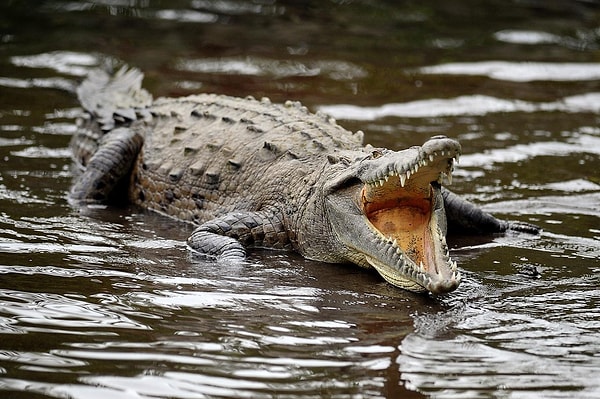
524	227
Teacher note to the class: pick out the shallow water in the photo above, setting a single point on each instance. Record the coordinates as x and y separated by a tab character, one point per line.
106	302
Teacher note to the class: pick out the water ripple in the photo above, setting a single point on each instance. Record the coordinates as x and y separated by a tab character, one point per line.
337	70
222	300
473	105
577	144
66	62
520	71
47	312
537	340
43	83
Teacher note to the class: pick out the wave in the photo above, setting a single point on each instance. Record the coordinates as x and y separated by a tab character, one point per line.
472	105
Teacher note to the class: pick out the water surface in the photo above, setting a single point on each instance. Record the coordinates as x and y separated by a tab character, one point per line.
107	302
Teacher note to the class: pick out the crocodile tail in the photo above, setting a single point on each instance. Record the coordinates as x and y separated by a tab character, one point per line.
112	98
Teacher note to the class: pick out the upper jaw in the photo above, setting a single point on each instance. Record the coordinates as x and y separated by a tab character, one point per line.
437	155
398	224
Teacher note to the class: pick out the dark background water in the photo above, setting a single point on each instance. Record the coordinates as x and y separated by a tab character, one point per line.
107	303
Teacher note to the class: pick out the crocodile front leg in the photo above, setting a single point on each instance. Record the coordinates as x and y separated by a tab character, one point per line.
464	216
111	163
226	237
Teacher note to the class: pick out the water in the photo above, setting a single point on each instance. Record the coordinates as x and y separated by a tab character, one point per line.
107	302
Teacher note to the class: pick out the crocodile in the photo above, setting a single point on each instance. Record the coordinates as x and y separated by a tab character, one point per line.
250	173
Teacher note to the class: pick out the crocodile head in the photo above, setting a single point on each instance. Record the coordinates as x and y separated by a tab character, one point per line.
387	211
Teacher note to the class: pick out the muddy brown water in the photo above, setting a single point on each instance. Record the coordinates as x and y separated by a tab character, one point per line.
107	302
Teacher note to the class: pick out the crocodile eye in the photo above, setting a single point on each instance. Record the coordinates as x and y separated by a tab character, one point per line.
333	159
376	154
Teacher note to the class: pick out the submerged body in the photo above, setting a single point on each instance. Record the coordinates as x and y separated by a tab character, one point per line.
252	173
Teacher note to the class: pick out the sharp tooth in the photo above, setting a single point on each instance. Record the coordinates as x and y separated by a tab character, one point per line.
390	251
386	178
416	168
449	177
443	153
402	179
408	174
395	242
457	157
431	157
421	267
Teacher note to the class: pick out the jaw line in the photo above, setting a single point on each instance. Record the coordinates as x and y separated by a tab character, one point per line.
390	275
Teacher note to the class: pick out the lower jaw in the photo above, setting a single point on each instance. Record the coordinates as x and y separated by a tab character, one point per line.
395	278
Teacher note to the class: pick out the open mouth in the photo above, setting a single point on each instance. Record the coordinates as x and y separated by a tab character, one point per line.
402	207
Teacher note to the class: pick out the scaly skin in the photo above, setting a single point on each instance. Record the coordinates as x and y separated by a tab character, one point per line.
252	173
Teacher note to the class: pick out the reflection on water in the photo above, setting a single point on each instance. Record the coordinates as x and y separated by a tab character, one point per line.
520	71
529	337
104	302
275	68
584	40
475	105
